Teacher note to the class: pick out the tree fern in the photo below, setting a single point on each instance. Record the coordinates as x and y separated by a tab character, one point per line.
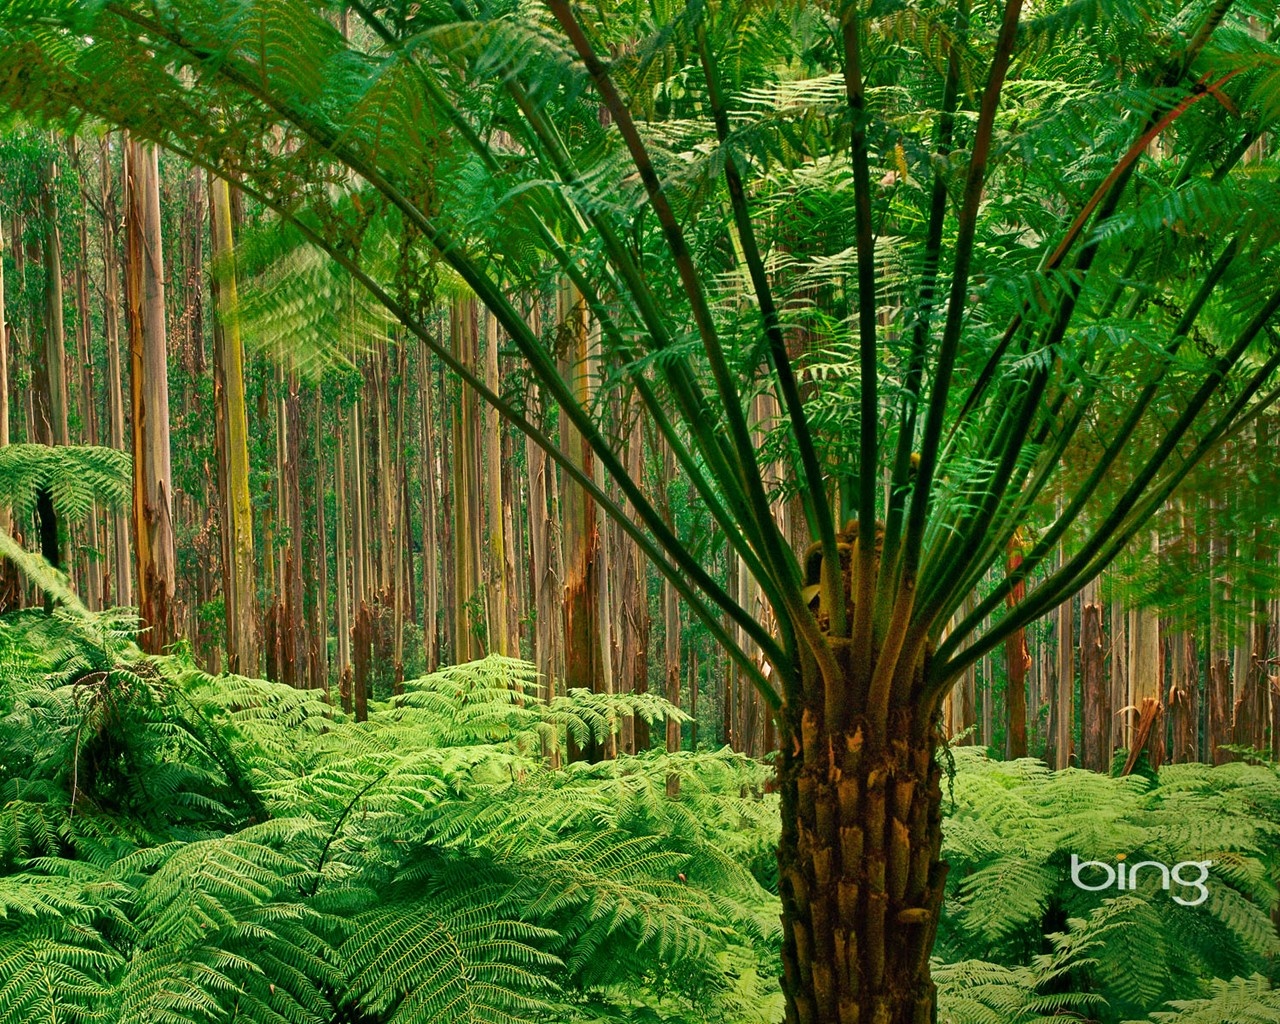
74	475
1241	1001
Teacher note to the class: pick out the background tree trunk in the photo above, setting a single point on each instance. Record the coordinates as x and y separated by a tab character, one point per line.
430	506
499	597
468	608
343	582
121	562
583	655
1017	662
149	387
1095	738
319	674
92	547
51	357
232	439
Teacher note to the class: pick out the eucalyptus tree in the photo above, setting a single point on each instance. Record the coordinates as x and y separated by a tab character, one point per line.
972	252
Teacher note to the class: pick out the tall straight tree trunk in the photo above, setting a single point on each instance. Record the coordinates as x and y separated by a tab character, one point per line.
397	491
93	547
1095	694
543	566
671	636
634	619
28	340
1146	671
448	543
468	611
1065	685
12	586
1219	724
1017	662
1184	677
9	591
382	508
514	546
6	518
293	641
1119	681
231	439
319	670
430	540
149	388
362	616
1250	713
51	358
1184	711
499	597
115	387
49	405
342	598
580	529
1146	675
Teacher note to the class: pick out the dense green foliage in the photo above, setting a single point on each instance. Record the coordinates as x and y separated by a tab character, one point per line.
1116	955
179	847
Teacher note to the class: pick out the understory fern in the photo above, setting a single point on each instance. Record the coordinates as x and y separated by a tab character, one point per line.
178	847
183	848
1011	900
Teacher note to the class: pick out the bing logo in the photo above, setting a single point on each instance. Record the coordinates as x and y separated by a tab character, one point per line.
1122	876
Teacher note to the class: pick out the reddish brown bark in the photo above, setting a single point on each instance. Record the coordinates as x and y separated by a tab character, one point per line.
362	642
1219	706
1095	747
580	528
1184	711
149	387
1017	662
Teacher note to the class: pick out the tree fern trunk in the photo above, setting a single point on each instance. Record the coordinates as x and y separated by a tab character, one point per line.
149	387
859	870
